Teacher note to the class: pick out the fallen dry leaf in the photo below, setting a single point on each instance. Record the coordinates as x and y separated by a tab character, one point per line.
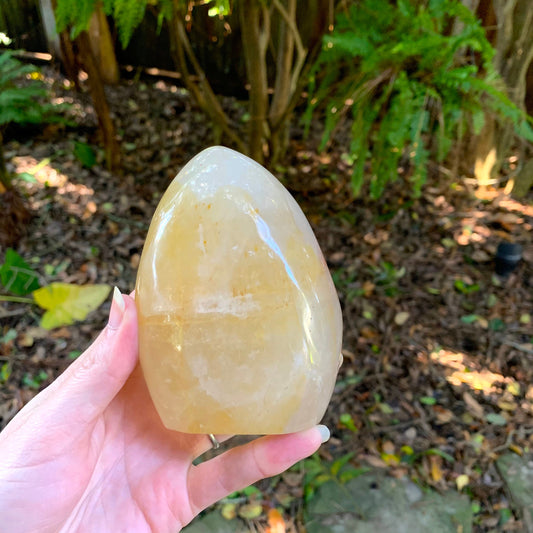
473	406
401	318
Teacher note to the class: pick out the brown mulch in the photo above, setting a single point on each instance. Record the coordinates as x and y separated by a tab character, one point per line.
437	379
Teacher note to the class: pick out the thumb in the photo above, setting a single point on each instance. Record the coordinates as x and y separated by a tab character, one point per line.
93	380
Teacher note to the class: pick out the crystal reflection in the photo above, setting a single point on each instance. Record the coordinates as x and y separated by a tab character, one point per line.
264	233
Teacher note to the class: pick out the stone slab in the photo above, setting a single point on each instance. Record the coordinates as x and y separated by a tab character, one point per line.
375	503
517	472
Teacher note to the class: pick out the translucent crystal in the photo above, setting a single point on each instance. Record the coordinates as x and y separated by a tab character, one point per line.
239	322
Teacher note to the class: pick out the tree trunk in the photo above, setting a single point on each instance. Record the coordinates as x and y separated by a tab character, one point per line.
286	78
523	180
69	60
67	55
255	27
102	47
101	107
49	25
200	90
514	53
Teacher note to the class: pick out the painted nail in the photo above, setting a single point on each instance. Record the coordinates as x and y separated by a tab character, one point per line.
118	305
324	433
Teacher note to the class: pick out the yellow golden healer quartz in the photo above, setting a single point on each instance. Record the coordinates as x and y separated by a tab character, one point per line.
240	326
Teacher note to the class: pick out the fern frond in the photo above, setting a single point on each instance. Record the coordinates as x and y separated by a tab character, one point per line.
74	14
128	14
409	81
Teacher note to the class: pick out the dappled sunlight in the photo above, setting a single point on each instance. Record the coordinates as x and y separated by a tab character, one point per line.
462	369
487	216
75	198
471	231
42	171
511	205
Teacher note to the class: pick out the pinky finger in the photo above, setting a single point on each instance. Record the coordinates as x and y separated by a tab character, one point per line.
244	465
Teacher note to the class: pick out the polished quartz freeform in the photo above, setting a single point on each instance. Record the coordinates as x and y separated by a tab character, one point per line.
239	322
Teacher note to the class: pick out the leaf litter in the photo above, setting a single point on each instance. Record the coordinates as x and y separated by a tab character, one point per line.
424	392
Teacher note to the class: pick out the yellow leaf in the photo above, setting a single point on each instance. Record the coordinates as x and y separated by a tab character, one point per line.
462	481
390	459
65	302
229	511
436	472
506	405
251	511
514	388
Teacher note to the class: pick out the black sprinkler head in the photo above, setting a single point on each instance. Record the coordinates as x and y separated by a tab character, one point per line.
508	256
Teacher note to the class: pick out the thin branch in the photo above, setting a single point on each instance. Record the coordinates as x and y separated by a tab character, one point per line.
300	48
202	92
16	299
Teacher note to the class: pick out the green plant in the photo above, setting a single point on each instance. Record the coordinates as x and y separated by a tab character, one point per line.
464	287
318	472
386	276
345	282
411	85
34	381
63	303
21	103
76	15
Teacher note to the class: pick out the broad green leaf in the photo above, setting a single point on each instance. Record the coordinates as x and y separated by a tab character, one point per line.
85	154
66	302
428	400
17	276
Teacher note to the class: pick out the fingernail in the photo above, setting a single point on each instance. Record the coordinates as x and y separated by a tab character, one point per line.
118	305
324	433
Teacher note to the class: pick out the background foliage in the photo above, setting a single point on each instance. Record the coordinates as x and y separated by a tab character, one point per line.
411	85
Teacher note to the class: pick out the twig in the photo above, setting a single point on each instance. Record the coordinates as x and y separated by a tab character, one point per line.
127	221
506	444
400	425
16	299
15	312
302	52
518	347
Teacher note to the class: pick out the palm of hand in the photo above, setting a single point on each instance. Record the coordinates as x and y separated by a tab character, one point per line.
90	454
138	469
121	471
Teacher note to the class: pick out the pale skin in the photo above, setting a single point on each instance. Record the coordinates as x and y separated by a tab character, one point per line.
90	454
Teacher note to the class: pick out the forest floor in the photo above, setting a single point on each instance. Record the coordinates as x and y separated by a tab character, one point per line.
437	380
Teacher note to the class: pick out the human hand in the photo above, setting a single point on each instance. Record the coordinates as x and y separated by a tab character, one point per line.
90	454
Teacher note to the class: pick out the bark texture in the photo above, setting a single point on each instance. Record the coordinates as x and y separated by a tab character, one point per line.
255	27
101	107
102	47
514	52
